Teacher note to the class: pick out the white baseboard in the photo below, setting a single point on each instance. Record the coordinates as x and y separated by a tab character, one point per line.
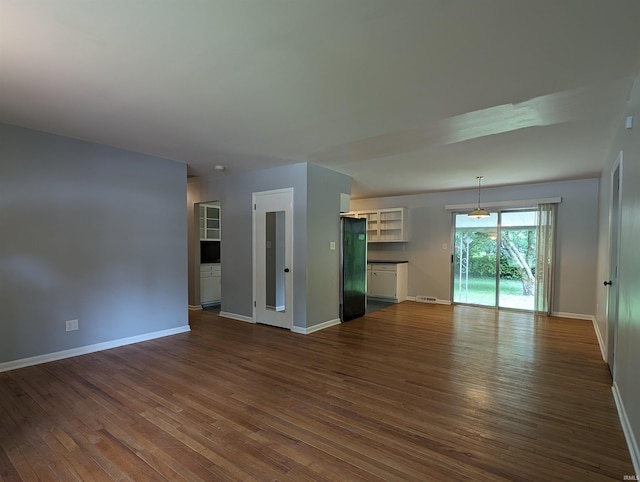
234	316
573	316
295	329
632	443
195	307
314	328
603	350
83	350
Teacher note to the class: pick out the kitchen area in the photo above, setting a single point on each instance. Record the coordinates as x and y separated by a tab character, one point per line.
386	279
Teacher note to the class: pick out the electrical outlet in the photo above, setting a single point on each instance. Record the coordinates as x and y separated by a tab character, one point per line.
71	325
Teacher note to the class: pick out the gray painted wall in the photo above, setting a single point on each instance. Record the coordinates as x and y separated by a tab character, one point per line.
628	339
89	233
430	224
323	264
314	267
234	191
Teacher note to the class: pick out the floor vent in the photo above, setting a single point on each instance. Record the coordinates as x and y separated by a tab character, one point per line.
426	299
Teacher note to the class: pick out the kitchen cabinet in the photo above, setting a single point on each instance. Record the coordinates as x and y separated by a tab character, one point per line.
388	280
209	222
385	225
210	287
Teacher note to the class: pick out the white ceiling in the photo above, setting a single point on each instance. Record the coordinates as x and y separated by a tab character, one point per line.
405	96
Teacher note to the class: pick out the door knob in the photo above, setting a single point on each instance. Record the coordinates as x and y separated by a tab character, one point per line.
608	283
286	270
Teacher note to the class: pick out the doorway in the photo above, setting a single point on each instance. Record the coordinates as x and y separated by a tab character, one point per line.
496	259
208	254
273	257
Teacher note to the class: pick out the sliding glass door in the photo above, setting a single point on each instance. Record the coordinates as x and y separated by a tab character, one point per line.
475	260
505	260
518	259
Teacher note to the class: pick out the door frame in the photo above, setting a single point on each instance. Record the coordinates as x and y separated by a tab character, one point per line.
613	272
289	289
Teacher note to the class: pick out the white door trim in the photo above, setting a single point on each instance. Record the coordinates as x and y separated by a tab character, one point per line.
612	324
289	289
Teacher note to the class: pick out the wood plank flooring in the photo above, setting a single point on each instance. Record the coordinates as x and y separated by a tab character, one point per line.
410	392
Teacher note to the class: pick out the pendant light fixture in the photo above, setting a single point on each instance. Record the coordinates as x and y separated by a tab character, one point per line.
479	212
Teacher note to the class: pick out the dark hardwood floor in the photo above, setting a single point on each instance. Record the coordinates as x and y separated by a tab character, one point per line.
410	392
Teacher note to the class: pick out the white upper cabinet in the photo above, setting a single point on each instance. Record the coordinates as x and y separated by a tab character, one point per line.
385	225
209	222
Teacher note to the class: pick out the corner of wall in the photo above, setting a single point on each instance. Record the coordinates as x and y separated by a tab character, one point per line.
314	328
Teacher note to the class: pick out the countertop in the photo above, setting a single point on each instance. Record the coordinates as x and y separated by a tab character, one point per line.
386	261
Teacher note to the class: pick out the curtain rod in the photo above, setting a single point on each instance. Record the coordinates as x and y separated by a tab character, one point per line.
513	204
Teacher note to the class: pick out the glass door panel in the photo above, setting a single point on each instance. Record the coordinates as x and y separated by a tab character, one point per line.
275	263
475	260
518	248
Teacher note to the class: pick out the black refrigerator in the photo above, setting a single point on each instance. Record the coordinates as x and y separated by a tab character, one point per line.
353	268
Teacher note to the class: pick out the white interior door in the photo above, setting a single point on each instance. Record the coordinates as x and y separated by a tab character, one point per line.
612	282
273	257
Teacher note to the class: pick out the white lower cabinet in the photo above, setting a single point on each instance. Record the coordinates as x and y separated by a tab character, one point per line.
210	287
387	281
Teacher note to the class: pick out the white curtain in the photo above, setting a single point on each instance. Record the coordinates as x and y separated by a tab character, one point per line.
545	257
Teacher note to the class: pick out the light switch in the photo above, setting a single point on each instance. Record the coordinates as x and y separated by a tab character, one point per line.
332	245
445	246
